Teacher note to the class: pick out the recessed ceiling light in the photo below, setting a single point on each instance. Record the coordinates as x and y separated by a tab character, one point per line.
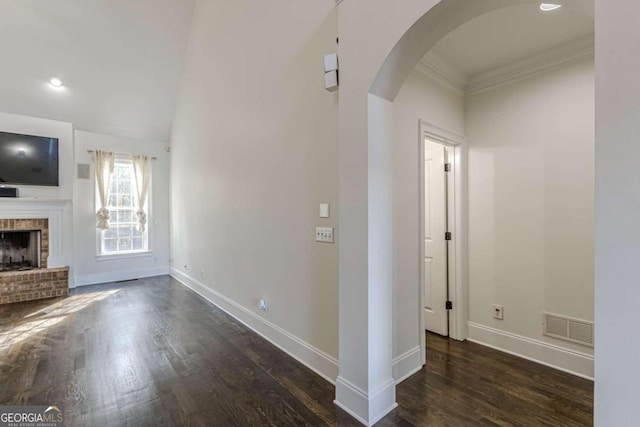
55	82
546	7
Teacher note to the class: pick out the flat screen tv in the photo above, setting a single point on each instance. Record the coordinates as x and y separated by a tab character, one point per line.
28	159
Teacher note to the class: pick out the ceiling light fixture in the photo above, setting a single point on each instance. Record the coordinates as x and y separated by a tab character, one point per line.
547	7
55	82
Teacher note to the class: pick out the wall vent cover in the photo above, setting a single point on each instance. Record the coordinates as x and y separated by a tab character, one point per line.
568	329
580	331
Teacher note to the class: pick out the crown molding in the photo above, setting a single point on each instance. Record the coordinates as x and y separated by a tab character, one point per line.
551	59
548	60
441	72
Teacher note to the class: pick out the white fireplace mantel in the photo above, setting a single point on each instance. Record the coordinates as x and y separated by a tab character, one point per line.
57	211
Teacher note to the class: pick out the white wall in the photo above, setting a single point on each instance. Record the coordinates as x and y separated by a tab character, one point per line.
254	153
617	232
88	269
531	212
420	98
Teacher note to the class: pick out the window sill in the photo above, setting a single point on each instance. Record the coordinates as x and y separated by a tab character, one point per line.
127	255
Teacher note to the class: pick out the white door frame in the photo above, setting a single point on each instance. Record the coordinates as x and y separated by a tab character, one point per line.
457	227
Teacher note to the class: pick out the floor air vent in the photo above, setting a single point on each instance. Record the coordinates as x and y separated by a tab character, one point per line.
568	329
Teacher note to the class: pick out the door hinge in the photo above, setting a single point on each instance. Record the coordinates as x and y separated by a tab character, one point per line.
447	235
448	305
447	167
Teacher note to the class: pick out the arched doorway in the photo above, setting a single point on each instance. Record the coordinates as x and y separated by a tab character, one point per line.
370	80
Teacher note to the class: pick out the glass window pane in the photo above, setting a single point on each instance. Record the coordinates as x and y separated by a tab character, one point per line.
124	201
137	243
110	245
121	172
124	187
124	244
125	216
122	236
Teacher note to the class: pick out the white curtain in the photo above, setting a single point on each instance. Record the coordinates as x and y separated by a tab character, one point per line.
142	172
104	177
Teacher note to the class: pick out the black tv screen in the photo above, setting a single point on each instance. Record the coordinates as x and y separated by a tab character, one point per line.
28	159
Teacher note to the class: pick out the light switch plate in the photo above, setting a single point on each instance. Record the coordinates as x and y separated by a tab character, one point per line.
324	210
324	234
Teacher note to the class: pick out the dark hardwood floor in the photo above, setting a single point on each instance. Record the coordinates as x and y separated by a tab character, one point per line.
153	353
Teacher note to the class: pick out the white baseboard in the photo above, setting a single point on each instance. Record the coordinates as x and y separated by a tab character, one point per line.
321	363
571	361
368	409
406	364
114	276
349	396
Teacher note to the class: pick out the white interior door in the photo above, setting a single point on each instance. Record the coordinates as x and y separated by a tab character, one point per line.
435	245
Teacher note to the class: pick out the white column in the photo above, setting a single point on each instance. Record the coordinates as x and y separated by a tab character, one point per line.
365	387
617	202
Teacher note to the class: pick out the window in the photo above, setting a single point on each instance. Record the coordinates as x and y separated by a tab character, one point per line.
123	237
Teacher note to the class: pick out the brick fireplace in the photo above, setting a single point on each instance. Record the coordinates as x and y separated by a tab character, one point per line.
24	253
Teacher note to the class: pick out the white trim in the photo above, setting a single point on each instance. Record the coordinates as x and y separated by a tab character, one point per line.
407	364
40	200
318	361
564	359
118	275
441	133
382	400
353	397
438	71
369	407
458	244
124	255
551	59
53	210
554	58
422	338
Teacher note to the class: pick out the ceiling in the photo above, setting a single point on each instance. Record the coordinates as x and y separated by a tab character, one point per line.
506	36
120	61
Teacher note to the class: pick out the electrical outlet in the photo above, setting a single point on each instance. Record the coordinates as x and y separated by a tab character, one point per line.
185	267
263	304
498	312
202	274
324	234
